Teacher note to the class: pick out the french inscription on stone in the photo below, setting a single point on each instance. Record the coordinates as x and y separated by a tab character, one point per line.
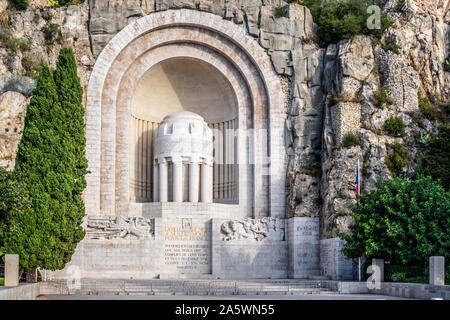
187	247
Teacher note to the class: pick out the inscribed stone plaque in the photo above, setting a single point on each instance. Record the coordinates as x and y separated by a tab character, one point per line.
187	246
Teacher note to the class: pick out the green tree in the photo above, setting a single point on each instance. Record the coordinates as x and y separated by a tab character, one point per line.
436	162
343	19
403	221
13	199
52	164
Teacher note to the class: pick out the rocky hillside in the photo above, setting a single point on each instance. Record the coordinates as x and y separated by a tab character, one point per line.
346	101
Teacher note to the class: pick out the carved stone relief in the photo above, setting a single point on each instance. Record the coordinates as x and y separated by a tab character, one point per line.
121	227
254	229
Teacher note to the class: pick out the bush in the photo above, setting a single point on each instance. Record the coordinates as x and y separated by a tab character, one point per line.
397	158
391	45
432	111
280	12
32	65
20	4
350	139
343	19
51	31
8	40
394	126
382	97
402	221
436	162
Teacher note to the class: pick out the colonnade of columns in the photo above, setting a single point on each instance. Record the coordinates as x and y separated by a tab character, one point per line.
199	191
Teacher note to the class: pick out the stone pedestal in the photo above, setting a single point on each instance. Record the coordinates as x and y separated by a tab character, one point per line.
11	270
379	265
304	247
437	271
333	263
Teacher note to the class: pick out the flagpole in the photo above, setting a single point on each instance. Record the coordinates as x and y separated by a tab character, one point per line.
357	201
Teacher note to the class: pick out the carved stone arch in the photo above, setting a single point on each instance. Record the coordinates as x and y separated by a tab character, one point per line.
113	79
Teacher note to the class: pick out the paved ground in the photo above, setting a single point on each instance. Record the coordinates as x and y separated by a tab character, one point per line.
182	297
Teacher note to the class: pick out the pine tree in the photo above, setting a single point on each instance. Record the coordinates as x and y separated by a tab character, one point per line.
51	162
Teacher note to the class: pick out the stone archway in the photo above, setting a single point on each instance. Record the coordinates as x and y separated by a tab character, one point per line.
228	50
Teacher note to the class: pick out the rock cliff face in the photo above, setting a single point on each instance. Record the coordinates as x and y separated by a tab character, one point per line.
329	91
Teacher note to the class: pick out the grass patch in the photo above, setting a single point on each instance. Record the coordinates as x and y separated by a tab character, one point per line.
382	97
2	281
350	139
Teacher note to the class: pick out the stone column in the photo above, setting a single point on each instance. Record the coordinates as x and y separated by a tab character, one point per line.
177	180
207	184
11	270
193	180
437	271
163	180
155	182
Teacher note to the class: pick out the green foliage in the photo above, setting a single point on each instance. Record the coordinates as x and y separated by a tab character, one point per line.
280	12
51	161
8	40
436	162
350	139
343	19
19	4
394	126
13	195
51	31
68	2
32	65
391	45
382	97
403	221
397	158
432	111
2	281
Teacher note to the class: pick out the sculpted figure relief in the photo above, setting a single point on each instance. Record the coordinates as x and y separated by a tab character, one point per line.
253	229
122	227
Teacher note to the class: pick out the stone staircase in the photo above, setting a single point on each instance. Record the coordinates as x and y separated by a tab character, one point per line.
201	287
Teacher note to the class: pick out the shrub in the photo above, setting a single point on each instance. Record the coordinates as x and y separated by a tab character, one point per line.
397	158
432	111
343	19
436	162
382	97
402	221
32	65
391	45
51	31
20	4
280	12
350	139
394	126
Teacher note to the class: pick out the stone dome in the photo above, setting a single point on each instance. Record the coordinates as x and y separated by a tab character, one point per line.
184	134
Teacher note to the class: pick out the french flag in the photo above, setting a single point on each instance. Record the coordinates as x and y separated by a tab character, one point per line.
357	182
